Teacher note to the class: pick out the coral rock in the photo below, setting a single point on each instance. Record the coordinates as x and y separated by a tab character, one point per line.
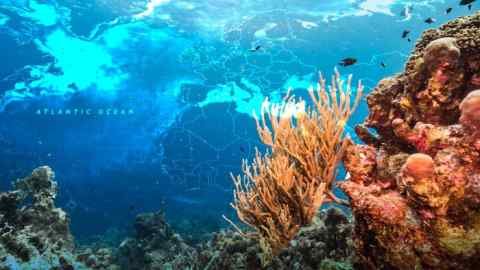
36	230
325	245
470	110
422	212
440	52
442	69
155	246
34	233
419	166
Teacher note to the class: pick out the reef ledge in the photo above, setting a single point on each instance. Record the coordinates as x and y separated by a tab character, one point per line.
415	186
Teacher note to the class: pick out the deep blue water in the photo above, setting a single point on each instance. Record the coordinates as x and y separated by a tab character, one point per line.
169	90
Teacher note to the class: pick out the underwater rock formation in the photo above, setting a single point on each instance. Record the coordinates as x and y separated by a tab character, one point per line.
34	234
442	69
155	246
326	245
415	187
97	259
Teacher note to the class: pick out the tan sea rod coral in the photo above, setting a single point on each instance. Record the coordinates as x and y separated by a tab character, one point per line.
282	190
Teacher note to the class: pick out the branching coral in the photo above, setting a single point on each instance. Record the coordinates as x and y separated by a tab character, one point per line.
281	191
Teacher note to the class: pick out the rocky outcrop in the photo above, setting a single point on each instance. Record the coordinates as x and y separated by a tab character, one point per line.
155	246
34	233
414	188
442	69
325	245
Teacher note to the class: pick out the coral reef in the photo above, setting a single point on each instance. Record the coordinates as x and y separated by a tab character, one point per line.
415	187
443	68
34	234
155	246
282	190
37	232
97	259
325	244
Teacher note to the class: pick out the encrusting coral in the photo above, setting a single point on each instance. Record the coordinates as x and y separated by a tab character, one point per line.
325	244
282	191
155	246
34	233
415	187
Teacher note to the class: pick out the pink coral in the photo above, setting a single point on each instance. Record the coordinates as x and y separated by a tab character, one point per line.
428	121
419	166
470	110
440	75
435	196
475	80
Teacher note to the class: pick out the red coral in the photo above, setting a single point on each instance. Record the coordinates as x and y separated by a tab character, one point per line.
425	213
470	108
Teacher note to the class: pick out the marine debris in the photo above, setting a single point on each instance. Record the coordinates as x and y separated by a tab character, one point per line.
415	187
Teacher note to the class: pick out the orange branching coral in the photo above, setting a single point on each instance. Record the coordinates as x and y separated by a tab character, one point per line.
281	191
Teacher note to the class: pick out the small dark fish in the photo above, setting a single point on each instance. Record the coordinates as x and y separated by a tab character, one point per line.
383	65
409	40
430	20
466	2
242	149
131	207
348	62
469	7
258	47
73	86
405	33
448	10
406	12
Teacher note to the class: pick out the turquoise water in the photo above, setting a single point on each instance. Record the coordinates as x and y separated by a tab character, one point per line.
142	105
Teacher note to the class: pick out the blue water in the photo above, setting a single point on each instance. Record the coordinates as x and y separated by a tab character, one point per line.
164	91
